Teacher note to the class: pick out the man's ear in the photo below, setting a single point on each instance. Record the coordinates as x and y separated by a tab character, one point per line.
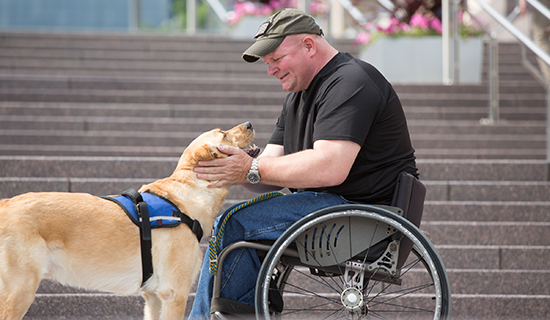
310	45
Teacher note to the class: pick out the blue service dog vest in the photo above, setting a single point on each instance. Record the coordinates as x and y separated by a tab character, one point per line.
162	213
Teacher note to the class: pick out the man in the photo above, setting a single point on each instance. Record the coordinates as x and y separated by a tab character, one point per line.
341	137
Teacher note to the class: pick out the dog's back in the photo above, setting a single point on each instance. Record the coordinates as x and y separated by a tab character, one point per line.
53	235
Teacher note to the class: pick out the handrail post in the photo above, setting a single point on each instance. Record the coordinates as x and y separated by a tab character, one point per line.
494	107
455	5
447	49
134	14
450	41
548	132
191	8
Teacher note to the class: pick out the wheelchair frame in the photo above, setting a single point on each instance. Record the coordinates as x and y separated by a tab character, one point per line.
364	261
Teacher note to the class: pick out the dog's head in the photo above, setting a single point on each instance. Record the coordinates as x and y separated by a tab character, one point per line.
205	146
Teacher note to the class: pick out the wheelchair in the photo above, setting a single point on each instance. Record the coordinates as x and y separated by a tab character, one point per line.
352	261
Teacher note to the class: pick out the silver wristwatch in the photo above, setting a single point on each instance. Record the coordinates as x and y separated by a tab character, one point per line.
253	175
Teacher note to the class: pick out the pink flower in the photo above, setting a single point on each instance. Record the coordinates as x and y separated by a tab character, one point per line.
275	4
436	25
249	8
362	38
369	26
404	27
388	26
418	20
265	10
318	7
233	18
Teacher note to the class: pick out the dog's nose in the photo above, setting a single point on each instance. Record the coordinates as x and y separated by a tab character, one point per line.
248	125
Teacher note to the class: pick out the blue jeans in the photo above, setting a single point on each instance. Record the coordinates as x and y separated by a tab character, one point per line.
265	220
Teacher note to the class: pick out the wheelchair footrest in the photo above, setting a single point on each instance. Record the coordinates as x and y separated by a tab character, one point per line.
231	307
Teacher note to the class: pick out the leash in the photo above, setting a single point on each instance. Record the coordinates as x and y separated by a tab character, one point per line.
214	242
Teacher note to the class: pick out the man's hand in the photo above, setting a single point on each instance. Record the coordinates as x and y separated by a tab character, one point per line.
225	171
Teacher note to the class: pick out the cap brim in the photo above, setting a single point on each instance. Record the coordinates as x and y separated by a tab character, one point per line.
261	48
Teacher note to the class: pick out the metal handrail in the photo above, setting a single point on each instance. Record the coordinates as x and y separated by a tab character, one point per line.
527	42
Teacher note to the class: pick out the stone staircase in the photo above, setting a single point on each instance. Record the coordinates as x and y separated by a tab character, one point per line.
102	113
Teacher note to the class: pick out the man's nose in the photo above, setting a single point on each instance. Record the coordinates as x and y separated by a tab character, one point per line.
271	70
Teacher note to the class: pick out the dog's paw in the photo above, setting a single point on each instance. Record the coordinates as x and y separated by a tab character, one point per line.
253	151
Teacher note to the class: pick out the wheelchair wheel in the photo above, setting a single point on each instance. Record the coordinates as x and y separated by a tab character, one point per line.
348	262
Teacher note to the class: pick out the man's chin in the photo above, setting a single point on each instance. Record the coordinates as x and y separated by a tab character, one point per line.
287	88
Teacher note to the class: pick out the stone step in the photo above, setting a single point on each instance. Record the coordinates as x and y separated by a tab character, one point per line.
124	151
465	307
62	65
463	281
462	118
488	190
481	153
459	127
138	110
148	167
141	72
265	125
169	139
488	233
513	106
496	306
497	211
148	83
142	96
97	139
227	82
494	258
105	54
535	191
161	124
140	42
521	282
81	60
512	95
86	306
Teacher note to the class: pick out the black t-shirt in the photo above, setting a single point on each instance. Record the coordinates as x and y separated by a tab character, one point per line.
350	100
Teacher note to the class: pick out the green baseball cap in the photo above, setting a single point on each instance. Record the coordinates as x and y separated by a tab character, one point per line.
272	32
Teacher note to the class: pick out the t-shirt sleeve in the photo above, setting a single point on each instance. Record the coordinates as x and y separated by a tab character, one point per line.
347	108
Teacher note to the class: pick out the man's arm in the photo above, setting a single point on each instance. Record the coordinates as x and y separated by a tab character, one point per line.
327	164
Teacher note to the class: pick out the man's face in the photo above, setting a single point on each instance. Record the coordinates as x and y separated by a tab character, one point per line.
289	64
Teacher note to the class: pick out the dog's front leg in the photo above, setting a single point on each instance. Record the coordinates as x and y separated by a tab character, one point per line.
153	306
173	304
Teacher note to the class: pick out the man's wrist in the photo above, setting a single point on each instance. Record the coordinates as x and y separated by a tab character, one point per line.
253	175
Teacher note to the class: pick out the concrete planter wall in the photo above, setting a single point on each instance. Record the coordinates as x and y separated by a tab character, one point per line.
419	60
247	27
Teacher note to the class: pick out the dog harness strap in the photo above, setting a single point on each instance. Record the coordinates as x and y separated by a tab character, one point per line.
146	245
194	225
214	242
145	233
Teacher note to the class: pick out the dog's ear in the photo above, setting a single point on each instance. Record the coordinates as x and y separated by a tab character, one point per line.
206	152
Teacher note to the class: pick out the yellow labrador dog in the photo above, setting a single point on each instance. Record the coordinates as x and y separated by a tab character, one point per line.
89	242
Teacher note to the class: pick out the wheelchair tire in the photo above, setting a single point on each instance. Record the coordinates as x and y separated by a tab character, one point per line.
419	290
